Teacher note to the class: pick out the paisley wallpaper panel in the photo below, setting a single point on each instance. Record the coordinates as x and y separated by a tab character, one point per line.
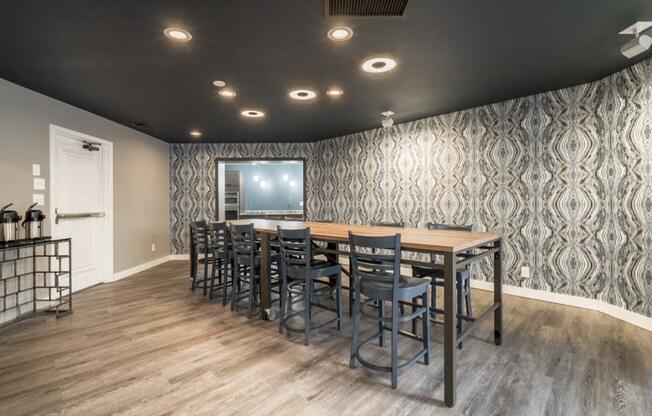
565	176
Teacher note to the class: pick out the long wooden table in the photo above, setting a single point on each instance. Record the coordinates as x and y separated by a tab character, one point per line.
453	246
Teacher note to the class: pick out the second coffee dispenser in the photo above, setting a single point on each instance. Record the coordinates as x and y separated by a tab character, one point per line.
33	223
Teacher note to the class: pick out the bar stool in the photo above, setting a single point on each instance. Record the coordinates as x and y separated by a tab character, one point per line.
299	273
246	265
463	281
222	263
376	271
200	246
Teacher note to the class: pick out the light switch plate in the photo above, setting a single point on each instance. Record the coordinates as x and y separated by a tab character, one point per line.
36	170
525	272
39	199
39	184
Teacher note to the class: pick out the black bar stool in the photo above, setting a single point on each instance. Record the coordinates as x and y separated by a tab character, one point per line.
222	260
376	271
201	253
299	273
246	264
463	281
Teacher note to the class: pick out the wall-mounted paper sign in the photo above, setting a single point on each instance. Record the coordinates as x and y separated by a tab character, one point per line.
39	199
36	170
39	184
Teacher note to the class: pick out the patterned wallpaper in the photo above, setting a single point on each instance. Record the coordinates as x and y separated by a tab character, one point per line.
565	176
192	182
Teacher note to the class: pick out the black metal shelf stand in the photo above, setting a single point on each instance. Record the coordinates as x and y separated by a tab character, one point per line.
35	276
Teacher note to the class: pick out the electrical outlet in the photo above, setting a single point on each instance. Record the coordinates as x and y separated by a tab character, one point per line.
153	247
525	272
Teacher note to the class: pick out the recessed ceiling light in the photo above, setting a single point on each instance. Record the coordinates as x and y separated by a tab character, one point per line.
302	94
227	92
340	33
253	113
378	65
175	33
195	133
219	83
334	92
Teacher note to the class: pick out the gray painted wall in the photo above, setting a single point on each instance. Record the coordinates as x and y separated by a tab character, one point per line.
564	176
141	168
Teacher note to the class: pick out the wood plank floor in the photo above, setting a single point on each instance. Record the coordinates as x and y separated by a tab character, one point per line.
148	346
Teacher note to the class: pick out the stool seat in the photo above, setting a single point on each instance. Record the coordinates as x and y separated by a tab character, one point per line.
408	288
246	259
318	268
418	271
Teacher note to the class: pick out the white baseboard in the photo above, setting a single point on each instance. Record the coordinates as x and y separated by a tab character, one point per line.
141	267
179	256
579	302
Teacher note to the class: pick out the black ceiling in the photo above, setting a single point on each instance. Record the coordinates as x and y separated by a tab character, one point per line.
111	58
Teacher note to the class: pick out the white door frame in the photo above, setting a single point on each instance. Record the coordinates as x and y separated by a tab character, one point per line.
107	192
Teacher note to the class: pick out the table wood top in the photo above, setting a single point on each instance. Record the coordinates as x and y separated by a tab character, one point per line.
411	238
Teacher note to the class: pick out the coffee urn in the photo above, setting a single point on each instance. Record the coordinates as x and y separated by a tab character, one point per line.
33	223
9	222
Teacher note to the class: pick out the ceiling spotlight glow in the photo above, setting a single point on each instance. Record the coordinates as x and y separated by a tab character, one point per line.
286	178
219	83
195	133
178	34
263	184
340	33
302	94
252	113
293	184
227	92
378	64
334	92
256	178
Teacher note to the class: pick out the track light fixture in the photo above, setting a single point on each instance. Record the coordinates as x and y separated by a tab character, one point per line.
640	43
387	121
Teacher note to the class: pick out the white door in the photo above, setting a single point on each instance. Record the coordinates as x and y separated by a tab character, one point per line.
78	197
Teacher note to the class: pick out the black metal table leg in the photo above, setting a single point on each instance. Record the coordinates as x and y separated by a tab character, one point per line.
265	275
450	330
498	294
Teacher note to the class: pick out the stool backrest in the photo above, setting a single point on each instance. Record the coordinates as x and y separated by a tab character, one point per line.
198	235
243	240
377	259
399	224
295	247
449	227
219	236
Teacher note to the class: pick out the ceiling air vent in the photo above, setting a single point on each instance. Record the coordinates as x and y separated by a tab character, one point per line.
365	7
